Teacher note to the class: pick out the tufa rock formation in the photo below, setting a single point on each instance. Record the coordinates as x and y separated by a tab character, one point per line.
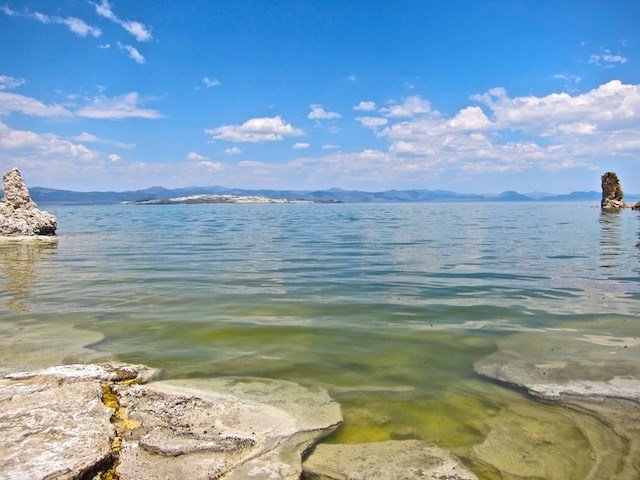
19	215
611	192
104	421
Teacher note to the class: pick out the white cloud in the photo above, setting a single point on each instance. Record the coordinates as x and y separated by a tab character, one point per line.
196	156
300	146
329	146
353	78
611	103
114	157
25	143
211	82
75	25
256	130
233	151
372	122
91	138
319	113
568	77
607	59
132	53
14	102
7	11
411	107
123	106
552	132
137	29
365	106
105	46
9	83
211	166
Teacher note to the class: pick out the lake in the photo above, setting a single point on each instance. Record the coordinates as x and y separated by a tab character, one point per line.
387	306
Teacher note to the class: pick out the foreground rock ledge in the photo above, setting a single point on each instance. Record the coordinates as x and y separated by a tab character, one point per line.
101	421
19	215
397	460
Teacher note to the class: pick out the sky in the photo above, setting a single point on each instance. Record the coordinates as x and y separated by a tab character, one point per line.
474	97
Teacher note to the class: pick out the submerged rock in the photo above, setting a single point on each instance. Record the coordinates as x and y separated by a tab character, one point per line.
397	460
79	421
19	215
611	192
595	374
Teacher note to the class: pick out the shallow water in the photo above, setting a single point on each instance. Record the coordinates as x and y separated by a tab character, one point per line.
388	306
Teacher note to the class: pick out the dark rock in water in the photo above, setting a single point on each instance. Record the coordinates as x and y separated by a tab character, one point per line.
611	192
19	215
636	206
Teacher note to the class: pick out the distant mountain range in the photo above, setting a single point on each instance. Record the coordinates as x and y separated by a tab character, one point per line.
53	196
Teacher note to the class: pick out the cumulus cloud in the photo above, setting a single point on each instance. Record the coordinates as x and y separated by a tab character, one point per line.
25	143
141	32
607	59
612	103
300	146
132	53
75	25
568	78
372	122
329	146
552	132
13	102
85	137
255	130
233	151
319	113
196	156
365	106
211	82
114	157
9	83
211	166
105	46
410	107
116	108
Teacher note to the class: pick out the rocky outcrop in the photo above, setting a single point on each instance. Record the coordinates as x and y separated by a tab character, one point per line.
19	215
611	192
397	460
79	421
55	424
636	206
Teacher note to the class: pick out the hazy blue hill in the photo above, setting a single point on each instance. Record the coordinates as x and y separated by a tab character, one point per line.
575	196
53	196
511	196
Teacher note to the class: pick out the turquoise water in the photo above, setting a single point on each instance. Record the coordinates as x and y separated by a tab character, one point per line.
387	306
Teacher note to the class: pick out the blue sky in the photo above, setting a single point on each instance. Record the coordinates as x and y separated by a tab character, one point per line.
467	96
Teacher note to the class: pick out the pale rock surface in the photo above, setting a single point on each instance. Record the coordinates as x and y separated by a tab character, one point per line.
77	421
391	460
53	427
19	215
239	428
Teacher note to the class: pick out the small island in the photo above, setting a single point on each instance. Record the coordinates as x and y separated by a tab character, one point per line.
207	198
